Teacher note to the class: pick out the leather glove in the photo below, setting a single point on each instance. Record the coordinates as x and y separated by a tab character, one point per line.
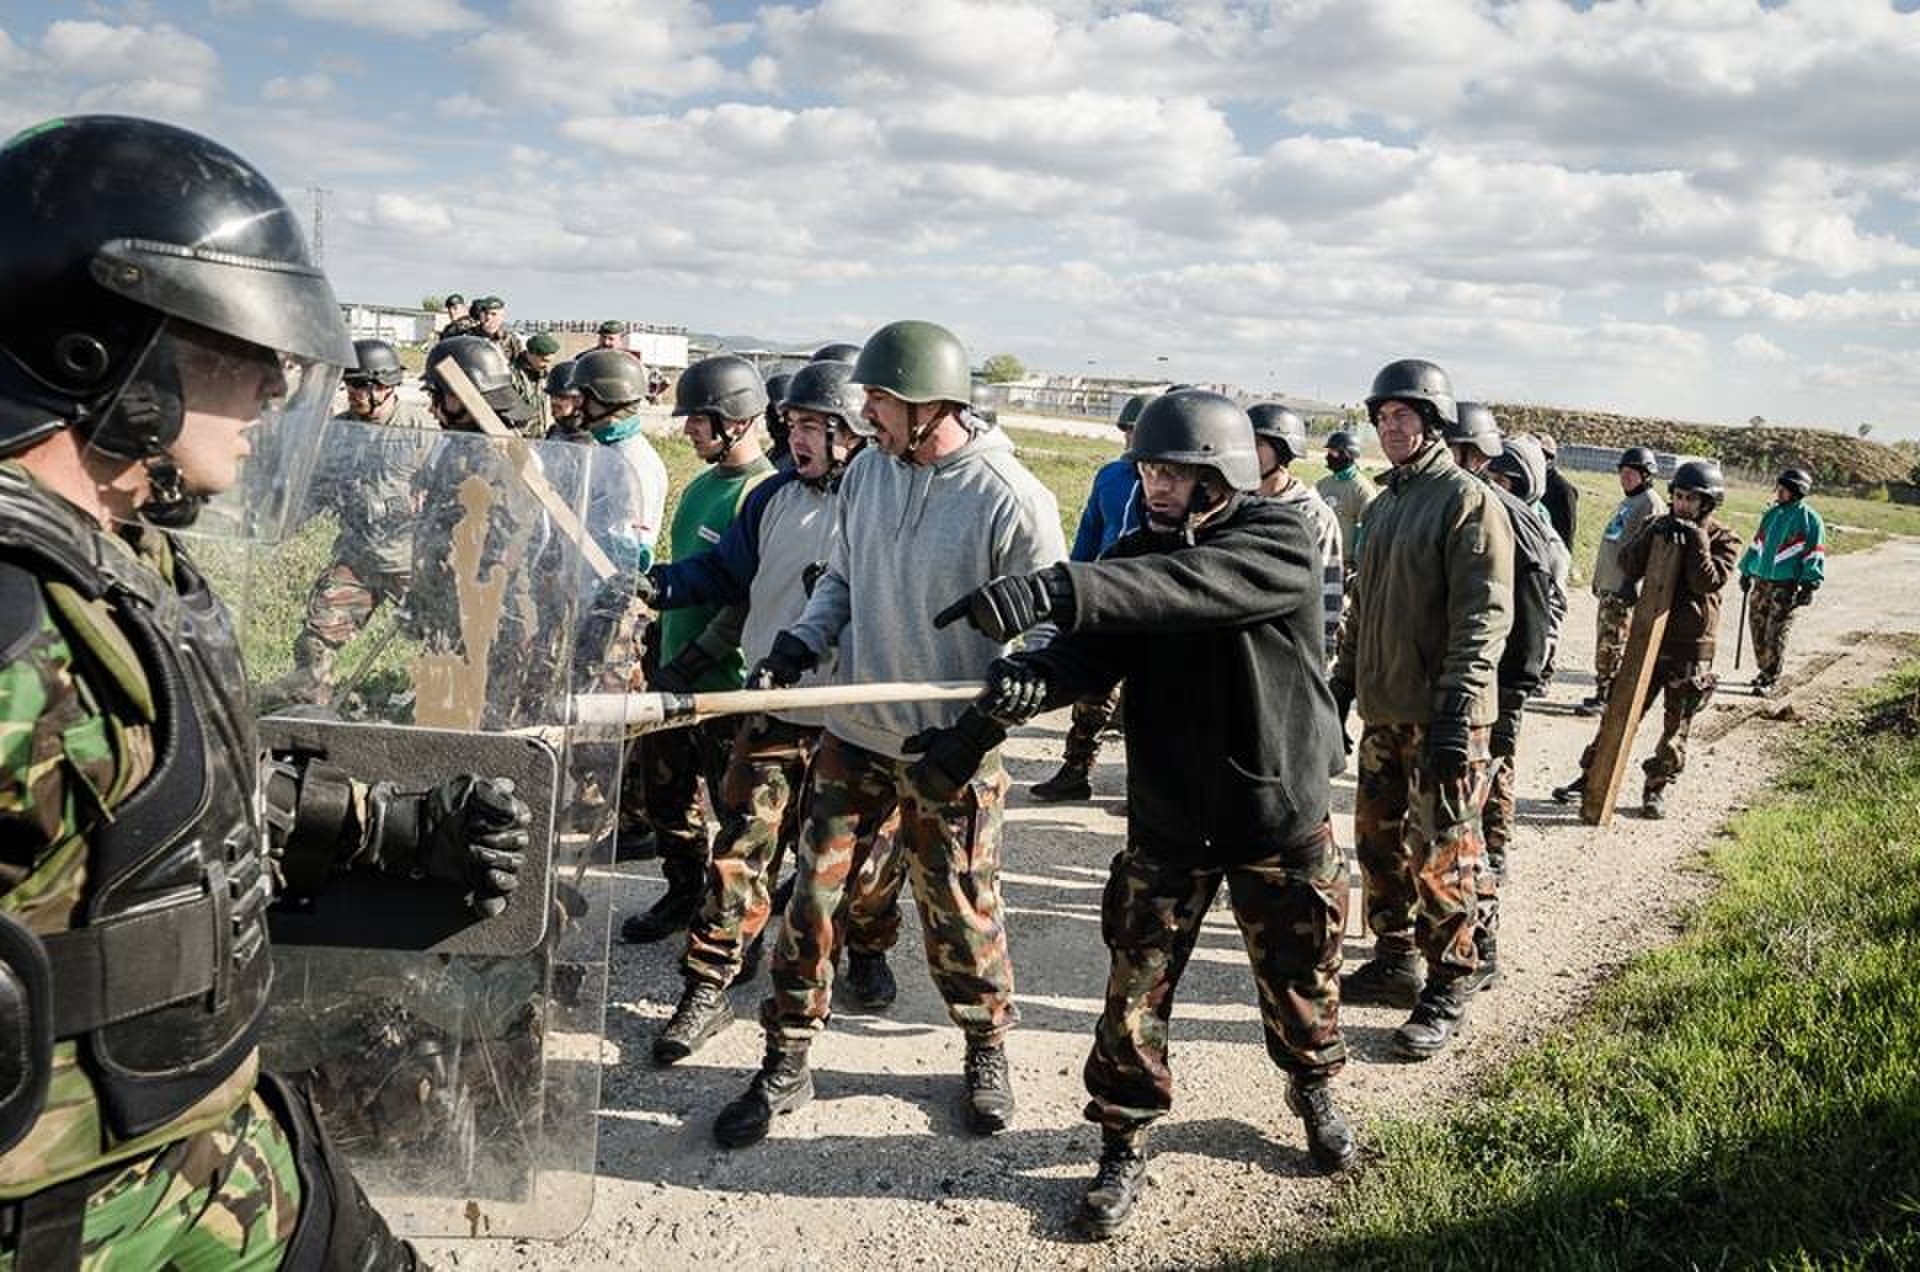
950	757
1016	690
1447	736
1002	608
1746	582
470	831
1804	596
1343	705
788	660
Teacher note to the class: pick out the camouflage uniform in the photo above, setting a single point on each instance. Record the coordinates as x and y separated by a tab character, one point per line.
1687	686
1496	819
1150	917
1091	718
1614	619
759	818
952	851
661	790
1770	616
1419	844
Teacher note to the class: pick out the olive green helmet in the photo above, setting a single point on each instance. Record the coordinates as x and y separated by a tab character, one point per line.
916	362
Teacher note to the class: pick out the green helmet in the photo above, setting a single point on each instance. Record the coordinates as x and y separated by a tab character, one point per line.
916	362
611	377
543	343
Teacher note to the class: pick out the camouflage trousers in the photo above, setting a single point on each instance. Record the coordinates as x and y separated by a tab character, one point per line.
226	1198
1610	641
1686	687
952	855
1769	617
1496	819
760	808
662	785
1418	837
1091	718
340	603
1291	908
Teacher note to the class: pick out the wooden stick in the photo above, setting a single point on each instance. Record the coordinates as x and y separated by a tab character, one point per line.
647	712
522	456
1614	745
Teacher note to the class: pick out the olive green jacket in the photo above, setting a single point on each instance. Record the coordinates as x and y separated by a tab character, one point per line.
1433	596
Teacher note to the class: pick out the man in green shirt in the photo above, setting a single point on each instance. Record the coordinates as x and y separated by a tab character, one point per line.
720	399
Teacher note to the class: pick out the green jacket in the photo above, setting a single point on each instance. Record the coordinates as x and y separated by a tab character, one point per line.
1349	493
1433	596
1789	547
707	507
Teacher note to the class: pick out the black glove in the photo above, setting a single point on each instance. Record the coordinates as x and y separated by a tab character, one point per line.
1746	582
1804	596
950	757
788	660
1680	532
1004	607
679	675
469	830
1016	690
1447	736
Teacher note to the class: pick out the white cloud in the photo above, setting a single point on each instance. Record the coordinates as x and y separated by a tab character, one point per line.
1898	306
309	88
594	55
1757	347
88	65
401	17
463	106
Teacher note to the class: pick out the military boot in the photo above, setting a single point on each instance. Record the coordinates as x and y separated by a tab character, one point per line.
989	1088
870	980
783	1084
670	914
1116	1185
1487	945
1572	792
1329	1139
1069	784
1440	1013
1653	802
703	1013
1391	978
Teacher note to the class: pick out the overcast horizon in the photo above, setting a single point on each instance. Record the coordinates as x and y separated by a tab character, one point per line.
1705	210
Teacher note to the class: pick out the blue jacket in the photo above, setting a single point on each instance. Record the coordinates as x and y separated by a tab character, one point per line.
1115	507
723	574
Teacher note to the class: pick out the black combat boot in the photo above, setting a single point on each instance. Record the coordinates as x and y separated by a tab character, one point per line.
703	1013
1486	944
670	914
989	1088
1572	792
783	1084
1116	1185
1069	784
1653	802
1440	1013
1391	978
870	980
1329	1139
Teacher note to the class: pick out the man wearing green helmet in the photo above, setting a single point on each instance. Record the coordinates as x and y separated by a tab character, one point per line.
530	369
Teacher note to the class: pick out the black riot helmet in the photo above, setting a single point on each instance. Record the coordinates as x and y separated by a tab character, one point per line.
1473	425
827	388
1701	477
1419	383
840	352
1798	482
487	367
777	388
776	415
1282	428
1130	411
1639	457
375	362
611	377
1193	426
725	386
560	379
130	249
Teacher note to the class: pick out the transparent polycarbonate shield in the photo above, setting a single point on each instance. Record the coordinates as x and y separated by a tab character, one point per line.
432	612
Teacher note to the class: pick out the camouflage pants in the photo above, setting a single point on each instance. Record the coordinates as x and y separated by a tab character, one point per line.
1770	616
223	1199
952	854
1686	686
341	601
1091	717
1291	908
662	785
1418	840
1496	819
1610	641
760	808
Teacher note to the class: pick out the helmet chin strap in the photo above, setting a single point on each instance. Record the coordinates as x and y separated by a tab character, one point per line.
168	505
918	429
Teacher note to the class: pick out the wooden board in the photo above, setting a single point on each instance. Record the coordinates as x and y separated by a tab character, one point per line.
1614	746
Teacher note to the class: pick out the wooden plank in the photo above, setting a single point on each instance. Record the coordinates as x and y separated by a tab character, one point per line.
523	462
1614	745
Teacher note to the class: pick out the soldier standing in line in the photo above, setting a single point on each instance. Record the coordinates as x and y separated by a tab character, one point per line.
1280	435
1783	567
1641	503
1113	508
460	319
530	370
490	312
1683	666
1436	546
720	400
942	506
1213	613
1348	491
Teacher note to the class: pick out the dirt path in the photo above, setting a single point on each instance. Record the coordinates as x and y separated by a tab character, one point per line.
879	1173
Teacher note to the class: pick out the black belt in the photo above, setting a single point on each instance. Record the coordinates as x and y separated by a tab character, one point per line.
126	966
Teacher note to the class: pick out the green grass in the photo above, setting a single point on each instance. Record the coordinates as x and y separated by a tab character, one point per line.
1749	1097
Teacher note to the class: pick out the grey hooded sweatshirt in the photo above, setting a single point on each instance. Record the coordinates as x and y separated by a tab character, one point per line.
914	539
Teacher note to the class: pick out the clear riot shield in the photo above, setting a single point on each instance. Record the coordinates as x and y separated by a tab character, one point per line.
456	1059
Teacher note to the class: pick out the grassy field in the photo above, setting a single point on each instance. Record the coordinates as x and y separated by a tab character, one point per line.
1749	1097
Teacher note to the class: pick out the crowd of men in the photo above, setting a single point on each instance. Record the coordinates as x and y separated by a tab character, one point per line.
862	519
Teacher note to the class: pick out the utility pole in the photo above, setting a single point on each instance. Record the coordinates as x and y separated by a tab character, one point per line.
319	235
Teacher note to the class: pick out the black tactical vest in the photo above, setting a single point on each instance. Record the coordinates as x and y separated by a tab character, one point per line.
164	980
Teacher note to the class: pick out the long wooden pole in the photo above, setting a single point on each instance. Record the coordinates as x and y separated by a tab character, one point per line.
648	712
1614	745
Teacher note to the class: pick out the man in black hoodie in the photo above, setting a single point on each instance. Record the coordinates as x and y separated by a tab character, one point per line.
1212	614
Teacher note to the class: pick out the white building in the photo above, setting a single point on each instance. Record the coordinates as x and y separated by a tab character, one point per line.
393	324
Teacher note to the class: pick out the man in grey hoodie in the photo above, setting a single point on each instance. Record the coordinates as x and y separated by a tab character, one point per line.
937	509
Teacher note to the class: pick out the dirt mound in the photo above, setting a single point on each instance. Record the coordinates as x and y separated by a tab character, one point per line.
1832	458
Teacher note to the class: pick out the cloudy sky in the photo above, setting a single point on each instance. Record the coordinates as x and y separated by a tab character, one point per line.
1703	208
